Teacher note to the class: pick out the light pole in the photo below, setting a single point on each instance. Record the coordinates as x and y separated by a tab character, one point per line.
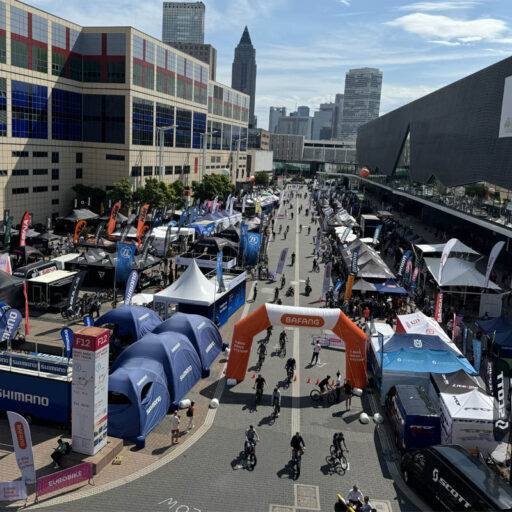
160	134
203	166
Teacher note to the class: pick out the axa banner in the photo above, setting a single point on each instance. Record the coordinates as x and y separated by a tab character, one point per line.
131	284
495	251
74	290
142	219
327	279
282	260
219	271
5	263
88	321
438	314
253	248
444	257
67	338
244	229
376	234
13	491
80	226
25	223
9	323
8	226
125	256
113	217
355	258
500	388
22	441
403	262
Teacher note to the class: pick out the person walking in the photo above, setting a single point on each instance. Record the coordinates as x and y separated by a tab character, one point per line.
175	428
255	292
190	416
366	313
347	387
338	387
316	352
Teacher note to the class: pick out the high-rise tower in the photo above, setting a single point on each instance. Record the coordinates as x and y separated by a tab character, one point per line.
183	22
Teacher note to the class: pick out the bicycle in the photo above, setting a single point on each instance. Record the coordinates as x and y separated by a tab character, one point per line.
261	360
250	458
296	463
318	396
259	395
289	376
282	350
276	411
338	457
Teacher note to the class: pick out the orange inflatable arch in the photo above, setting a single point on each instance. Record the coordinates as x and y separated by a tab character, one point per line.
304	318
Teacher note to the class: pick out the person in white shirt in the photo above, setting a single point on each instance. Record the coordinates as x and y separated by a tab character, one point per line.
354	496
316	352
338	386
276	400
175	428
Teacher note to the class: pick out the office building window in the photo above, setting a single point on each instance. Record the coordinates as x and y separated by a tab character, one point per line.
39	154
116	72
55	158
20	172
20	190
148	170
79	174
55	174
79	158
114	157
136	171
55	188
142	125
40	189
186	169
177	169
103	118
3	52
29	38
3	172
103	57
29	110
143	63
168	170
184	128
199	128
66	115
20	154
40	172
3	105
55	201
226	136
165	117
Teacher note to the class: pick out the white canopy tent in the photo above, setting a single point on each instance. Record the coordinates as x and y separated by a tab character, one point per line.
459	247
419	323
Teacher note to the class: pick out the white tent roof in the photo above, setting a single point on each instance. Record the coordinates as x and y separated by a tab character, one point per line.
458	272
141	299
458	247
419	323
191	288
474	405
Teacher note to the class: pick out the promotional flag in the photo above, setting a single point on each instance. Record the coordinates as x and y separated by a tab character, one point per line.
125	257
454	330
113	217
142	219
88	321
231	205
258	205
13	491
22	441
500	387
80	226
243	203
253	248
414	280
282	259
403	263
27	318
327	279
408	269
144	230
167	241
444	257
355	258
183	218
25	223
464	341
131	284
5	263
67	338
438	314
215	203
74	291
376	234
8	226
477	353
495	251
97	235
157	220
345	234
348	287
338	285
219	271
317	241
228	203
9	323
244	229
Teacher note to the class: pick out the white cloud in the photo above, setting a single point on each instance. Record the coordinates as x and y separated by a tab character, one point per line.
445	28
439	6
446	43
345	2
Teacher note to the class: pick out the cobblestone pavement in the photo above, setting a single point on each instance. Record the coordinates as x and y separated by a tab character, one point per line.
210	475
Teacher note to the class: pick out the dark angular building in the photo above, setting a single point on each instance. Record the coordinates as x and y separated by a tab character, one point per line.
243	77
459	134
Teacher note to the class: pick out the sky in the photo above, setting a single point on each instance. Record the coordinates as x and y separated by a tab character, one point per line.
305	47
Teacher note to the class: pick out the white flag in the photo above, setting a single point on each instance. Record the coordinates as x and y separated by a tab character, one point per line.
5	263
231	206
228	202
22	441
444	257
495	251
243	203
13	491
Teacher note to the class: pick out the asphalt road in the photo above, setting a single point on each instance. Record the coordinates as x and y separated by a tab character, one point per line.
210	475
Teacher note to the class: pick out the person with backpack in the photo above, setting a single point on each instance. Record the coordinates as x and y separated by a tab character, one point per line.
62	449
190	416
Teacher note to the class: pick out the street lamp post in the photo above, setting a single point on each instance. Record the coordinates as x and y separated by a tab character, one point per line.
160	133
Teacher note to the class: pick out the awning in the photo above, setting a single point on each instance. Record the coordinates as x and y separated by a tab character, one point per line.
390	287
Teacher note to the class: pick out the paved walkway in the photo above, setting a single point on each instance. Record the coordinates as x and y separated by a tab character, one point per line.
207	474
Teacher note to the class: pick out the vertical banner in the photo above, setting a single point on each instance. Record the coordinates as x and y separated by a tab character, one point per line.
414	279
327	279
167	241
5	263
464	341
143	213
25	224
493	256
99	229
27	317
454	330
500	389
232	205
8	227
282	260
376	234
131	284
113	217
408	270
219	271
22	441
444	258
348	287
243	203
88	322
90	390
80	226
9	323
244	229
355	258
67	338
403	263
125	257
13	491
477	354
344	235
253	248
258	205
317	241
74	290
438	314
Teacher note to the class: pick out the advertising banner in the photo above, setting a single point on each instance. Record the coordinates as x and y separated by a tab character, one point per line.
408	269
90	389
8	226
167	241
348	287
438	314
131	284
444	257
506	109
219	271
282	260
22	441
355	258
244	229
253	248
344	235
9	323
64	478
500	388
125	256
317	241
74	290
13	491
25	223
113	217
67	338
477	354
464	341
243	203
414	280
157	220
142	219
327	279
88	321
376	234
97	234
493	256
27	316
80	226
215	203
403	263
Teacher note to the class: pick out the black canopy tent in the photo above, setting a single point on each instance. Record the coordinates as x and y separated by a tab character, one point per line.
11	290
232	233
213	244
81	214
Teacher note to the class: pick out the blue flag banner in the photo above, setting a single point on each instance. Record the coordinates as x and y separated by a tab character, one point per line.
403	262
125	256
67	337
477	353
158	220
183	218
210	228
253	248
243	237
219	271
338	285
131	284
376	234
88	321
355	258
9	324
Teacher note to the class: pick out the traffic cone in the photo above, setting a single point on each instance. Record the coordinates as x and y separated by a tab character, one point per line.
253	375
317	382
308	381
295	379
320	300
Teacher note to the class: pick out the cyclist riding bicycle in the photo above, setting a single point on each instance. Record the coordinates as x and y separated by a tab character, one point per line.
251	436
290	368
262	351
276	401
283	281
283	338
324	383
337	439
297	444
259	384
269	332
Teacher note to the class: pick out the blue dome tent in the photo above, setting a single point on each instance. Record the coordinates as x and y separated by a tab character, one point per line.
138	399
181	364
134	320
202	333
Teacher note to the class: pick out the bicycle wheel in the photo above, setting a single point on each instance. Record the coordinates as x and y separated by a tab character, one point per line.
282	353
343	463
334	454
251	461
315	395
297	469
330	397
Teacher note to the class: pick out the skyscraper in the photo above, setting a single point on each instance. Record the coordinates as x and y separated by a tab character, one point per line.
243	77
273	119
183	22
339	113
323	121
361	102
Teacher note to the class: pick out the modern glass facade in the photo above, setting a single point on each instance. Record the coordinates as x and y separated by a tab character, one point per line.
29	110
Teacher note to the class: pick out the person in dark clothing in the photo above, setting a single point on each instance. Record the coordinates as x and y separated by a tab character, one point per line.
62	449
297	444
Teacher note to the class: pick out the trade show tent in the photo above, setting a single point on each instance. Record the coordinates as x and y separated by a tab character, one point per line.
133	320
202	333
174	351
390	287
11	290
499	331
419	323
138	399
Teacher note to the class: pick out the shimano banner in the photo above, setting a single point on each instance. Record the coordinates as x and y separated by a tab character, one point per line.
131	284
125	256
253	248
67	338
355	258
9	323
500	388
74	290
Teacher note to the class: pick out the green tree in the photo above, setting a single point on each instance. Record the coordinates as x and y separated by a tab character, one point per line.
179	193
155	193
211	186
476	189
261	178
122	191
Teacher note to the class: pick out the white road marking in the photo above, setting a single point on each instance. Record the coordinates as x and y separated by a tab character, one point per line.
295	423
